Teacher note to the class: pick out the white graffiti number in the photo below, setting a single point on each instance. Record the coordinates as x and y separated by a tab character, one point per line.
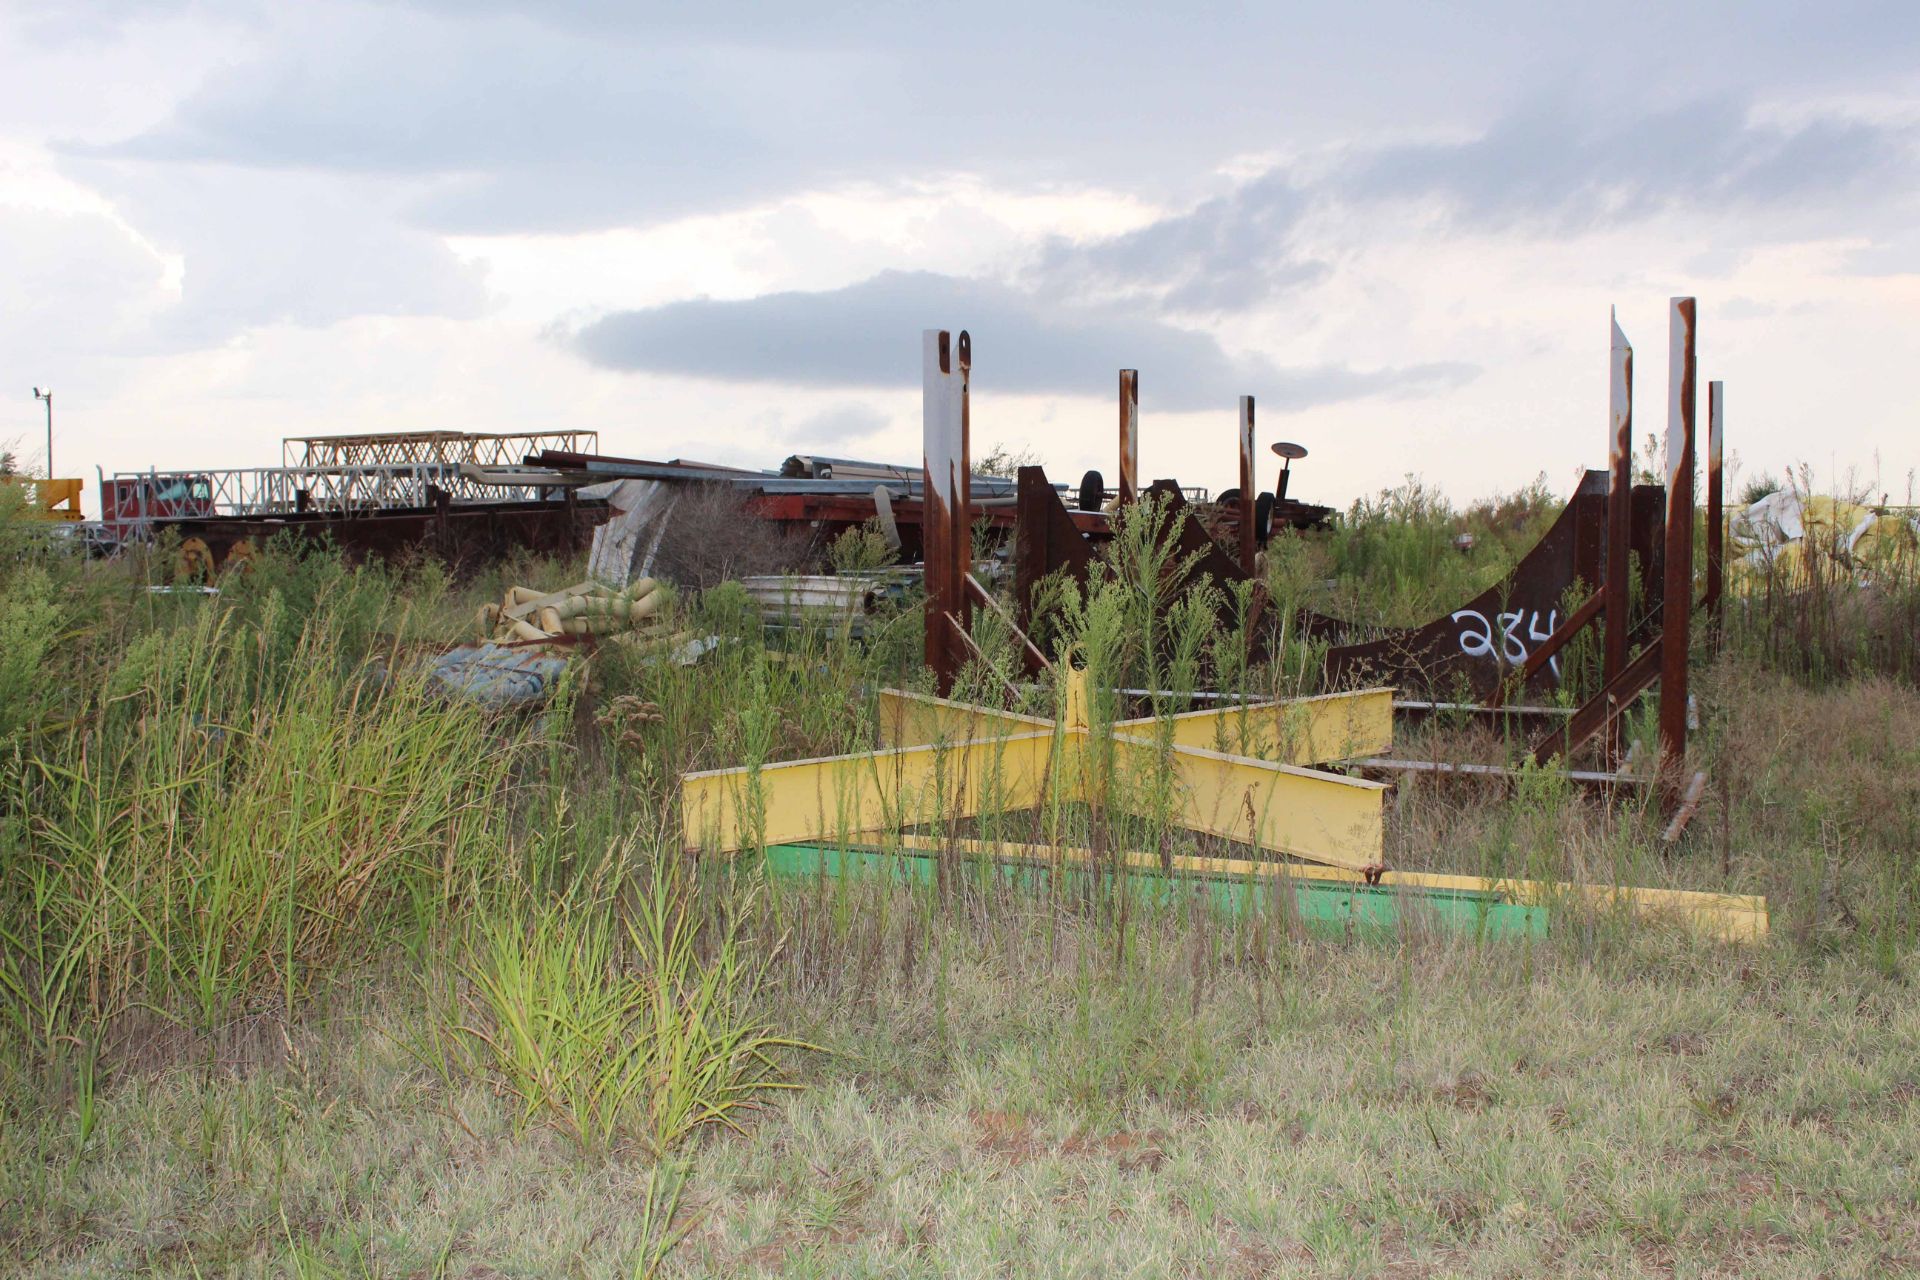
1477	636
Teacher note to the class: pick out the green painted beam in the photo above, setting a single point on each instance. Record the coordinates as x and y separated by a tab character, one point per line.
1331	905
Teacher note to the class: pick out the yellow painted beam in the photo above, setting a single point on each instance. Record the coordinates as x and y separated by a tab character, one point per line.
1724	917
728	809
1301	731
1322	817
919	720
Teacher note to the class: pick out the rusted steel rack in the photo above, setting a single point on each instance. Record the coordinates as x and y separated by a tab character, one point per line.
1510	638
399	448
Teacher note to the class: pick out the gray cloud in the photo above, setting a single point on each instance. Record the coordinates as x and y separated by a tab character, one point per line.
1544	168
1230	253
1549	163
564	116
868	335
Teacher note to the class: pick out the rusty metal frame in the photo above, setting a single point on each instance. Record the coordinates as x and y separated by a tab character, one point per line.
1129	483
1485	641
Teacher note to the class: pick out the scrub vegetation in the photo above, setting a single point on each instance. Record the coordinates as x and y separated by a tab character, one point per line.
306	971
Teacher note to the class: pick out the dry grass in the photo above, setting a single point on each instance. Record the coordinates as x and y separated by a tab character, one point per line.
1432	1110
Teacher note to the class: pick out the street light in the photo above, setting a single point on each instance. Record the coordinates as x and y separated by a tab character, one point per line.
46	393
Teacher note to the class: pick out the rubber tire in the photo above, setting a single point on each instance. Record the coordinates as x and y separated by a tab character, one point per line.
1093	491
1263	518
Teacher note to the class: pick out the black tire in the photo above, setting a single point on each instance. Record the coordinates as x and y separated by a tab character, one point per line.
1093	491
1228	497
1263	518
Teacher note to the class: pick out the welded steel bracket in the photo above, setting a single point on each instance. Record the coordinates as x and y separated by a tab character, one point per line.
1241	773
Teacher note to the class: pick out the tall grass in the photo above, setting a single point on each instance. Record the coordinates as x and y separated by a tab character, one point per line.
646	1035
204	836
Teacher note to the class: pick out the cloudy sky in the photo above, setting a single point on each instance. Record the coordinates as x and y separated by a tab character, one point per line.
716	231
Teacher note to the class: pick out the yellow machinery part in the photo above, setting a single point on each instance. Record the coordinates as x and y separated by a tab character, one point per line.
729	809
194	561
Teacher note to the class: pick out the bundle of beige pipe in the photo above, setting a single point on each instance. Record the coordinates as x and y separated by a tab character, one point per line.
584	609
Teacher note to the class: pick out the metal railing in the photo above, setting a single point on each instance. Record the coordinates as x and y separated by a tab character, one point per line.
279	491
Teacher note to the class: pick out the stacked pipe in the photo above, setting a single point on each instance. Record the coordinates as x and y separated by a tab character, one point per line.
529	616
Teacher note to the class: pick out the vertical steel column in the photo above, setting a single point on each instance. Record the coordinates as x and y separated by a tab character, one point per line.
945	533
1247	547
1716	516
1676	613
1129	434
1615	589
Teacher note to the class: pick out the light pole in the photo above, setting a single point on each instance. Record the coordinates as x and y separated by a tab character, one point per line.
46	393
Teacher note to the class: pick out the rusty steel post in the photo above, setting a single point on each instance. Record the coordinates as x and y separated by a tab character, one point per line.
946	536
1676	614
1617	583
1716	515
1129	434
1247	541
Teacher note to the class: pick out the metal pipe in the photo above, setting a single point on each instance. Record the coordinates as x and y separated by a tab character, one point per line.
1129	434
1678	609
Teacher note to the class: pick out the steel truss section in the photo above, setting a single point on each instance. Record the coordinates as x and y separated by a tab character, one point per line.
335	490
402	448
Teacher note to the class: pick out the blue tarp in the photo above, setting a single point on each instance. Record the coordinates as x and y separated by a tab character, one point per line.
495	676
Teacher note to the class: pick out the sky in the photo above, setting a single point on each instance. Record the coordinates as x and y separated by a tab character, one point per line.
716	231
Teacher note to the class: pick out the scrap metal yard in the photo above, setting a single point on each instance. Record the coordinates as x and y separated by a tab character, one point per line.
1218	642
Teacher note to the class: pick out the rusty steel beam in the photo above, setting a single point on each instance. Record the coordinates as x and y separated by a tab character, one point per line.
1247	540
1716	515
1045	541
1676	617
1129	434
1547	649
1601	712
946	366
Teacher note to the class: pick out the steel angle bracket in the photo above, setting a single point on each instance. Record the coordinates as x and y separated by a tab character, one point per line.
1238	772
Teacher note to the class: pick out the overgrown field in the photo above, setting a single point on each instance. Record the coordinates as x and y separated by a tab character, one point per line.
306	972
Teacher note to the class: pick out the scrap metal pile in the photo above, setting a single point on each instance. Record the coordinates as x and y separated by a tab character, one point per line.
943	761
